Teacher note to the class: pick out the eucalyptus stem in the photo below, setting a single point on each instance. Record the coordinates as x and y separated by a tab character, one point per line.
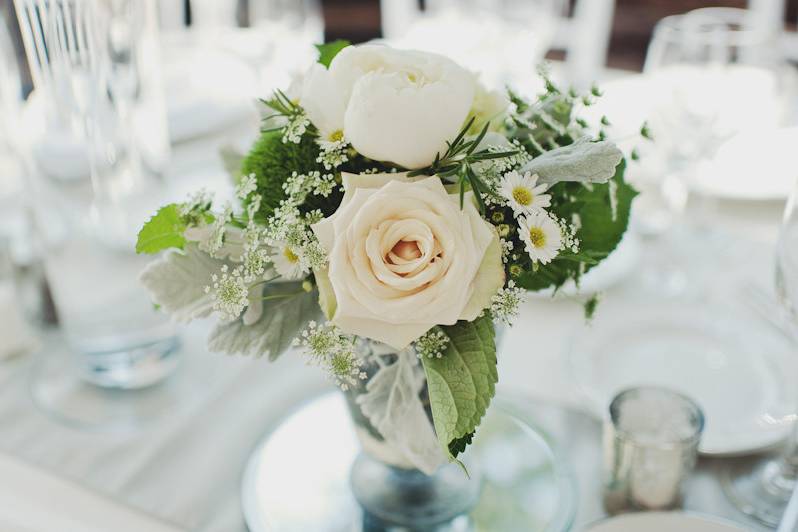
282	296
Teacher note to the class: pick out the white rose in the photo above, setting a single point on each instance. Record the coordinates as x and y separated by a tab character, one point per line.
392	105
404	257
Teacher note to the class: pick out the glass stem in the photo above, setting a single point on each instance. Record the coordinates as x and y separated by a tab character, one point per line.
781	475
790	466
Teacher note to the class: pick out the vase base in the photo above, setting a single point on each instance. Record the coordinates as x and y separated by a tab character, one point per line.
395	498
298	477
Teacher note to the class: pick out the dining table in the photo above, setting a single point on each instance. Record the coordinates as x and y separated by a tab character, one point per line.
182	470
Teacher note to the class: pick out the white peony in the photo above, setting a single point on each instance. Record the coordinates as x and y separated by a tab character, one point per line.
399	106
404	257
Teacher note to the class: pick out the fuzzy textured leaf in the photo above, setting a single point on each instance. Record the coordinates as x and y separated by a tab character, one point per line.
328	51
280	321
583	161
163	231
177	282
462	382
392	405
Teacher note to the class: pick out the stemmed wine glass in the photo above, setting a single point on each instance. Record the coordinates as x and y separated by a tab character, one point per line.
713	74
763	488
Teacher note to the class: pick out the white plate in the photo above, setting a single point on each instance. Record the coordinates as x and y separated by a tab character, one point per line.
664	522
736	368
609	272
207	90
757	165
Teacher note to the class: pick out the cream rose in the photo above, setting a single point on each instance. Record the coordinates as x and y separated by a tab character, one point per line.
392	105
404	257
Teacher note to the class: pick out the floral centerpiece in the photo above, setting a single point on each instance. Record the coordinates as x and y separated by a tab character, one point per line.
391	213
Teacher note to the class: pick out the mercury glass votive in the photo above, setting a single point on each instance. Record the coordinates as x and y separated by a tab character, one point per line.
650	447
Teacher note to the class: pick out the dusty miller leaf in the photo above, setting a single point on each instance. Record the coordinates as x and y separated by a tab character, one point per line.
177	282
163	231
280	321
463	381
392	405
583	161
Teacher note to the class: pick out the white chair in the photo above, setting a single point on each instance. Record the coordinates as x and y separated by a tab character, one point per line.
584	35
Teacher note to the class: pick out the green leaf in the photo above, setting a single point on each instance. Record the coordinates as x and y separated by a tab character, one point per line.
599	233
281	320
328	51
462	382
162	231
459	445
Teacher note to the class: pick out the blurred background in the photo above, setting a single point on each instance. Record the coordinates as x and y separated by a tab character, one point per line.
109	413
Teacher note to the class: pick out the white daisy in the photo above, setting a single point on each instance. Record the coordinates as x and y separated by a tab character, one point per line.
523	194
541	235
287	262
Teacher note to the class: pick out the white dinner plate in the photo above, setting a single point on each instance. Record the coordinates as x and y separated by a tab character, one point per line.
609	272
664	522
739	370
756	165
207	90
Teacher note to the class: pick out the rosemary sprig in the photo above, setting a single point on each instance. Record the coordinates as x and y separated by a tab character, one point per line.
455	163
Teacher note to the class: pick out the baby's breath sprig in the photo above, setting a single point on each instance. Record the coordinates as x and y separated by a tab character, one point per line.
504	305
326	346
296	122
246	186
432	344
197	207
215	239
334	151
229	292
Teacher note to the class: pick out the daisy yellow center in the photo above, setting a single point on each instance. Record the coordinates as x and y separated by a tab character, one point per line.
337	136
290	255
537	237
522	196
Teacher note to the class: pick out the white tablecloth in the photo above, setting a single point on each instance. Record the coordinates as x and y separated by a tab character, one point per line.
183	471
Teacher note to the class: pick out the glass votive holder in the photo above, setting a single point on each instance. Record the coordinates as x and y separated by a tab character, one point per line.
650	447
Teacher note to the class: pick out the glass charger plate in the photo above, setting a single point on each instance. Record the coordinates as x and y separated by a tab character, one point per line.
297	479
738	369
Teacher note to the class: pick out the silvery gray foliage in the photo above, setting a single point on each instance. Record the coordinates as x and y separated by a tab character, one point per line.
392	405
280	321
177	282
583	161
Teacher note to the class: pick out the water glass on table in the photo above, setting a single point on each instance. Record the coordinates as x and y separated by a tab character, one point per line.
650	447
98	60
763	488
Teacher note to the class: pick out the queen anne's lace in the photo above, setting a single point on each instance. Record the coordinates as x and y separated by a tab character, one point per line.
326	346
229	293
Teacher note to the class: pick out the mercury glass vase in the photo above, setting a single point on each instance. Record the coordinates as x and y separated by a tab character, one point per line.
394	495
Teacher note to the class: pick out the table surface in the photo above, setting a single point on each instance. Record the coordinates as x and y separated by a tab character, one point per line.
183	472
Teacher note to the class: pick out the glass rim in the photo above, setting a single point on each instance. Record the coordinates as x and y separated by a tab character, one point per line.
704	25
686	401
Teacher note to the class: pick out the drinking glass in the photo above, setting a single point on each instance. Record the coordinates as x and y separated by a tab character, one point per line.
762	488
650	447
715	73
98	60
